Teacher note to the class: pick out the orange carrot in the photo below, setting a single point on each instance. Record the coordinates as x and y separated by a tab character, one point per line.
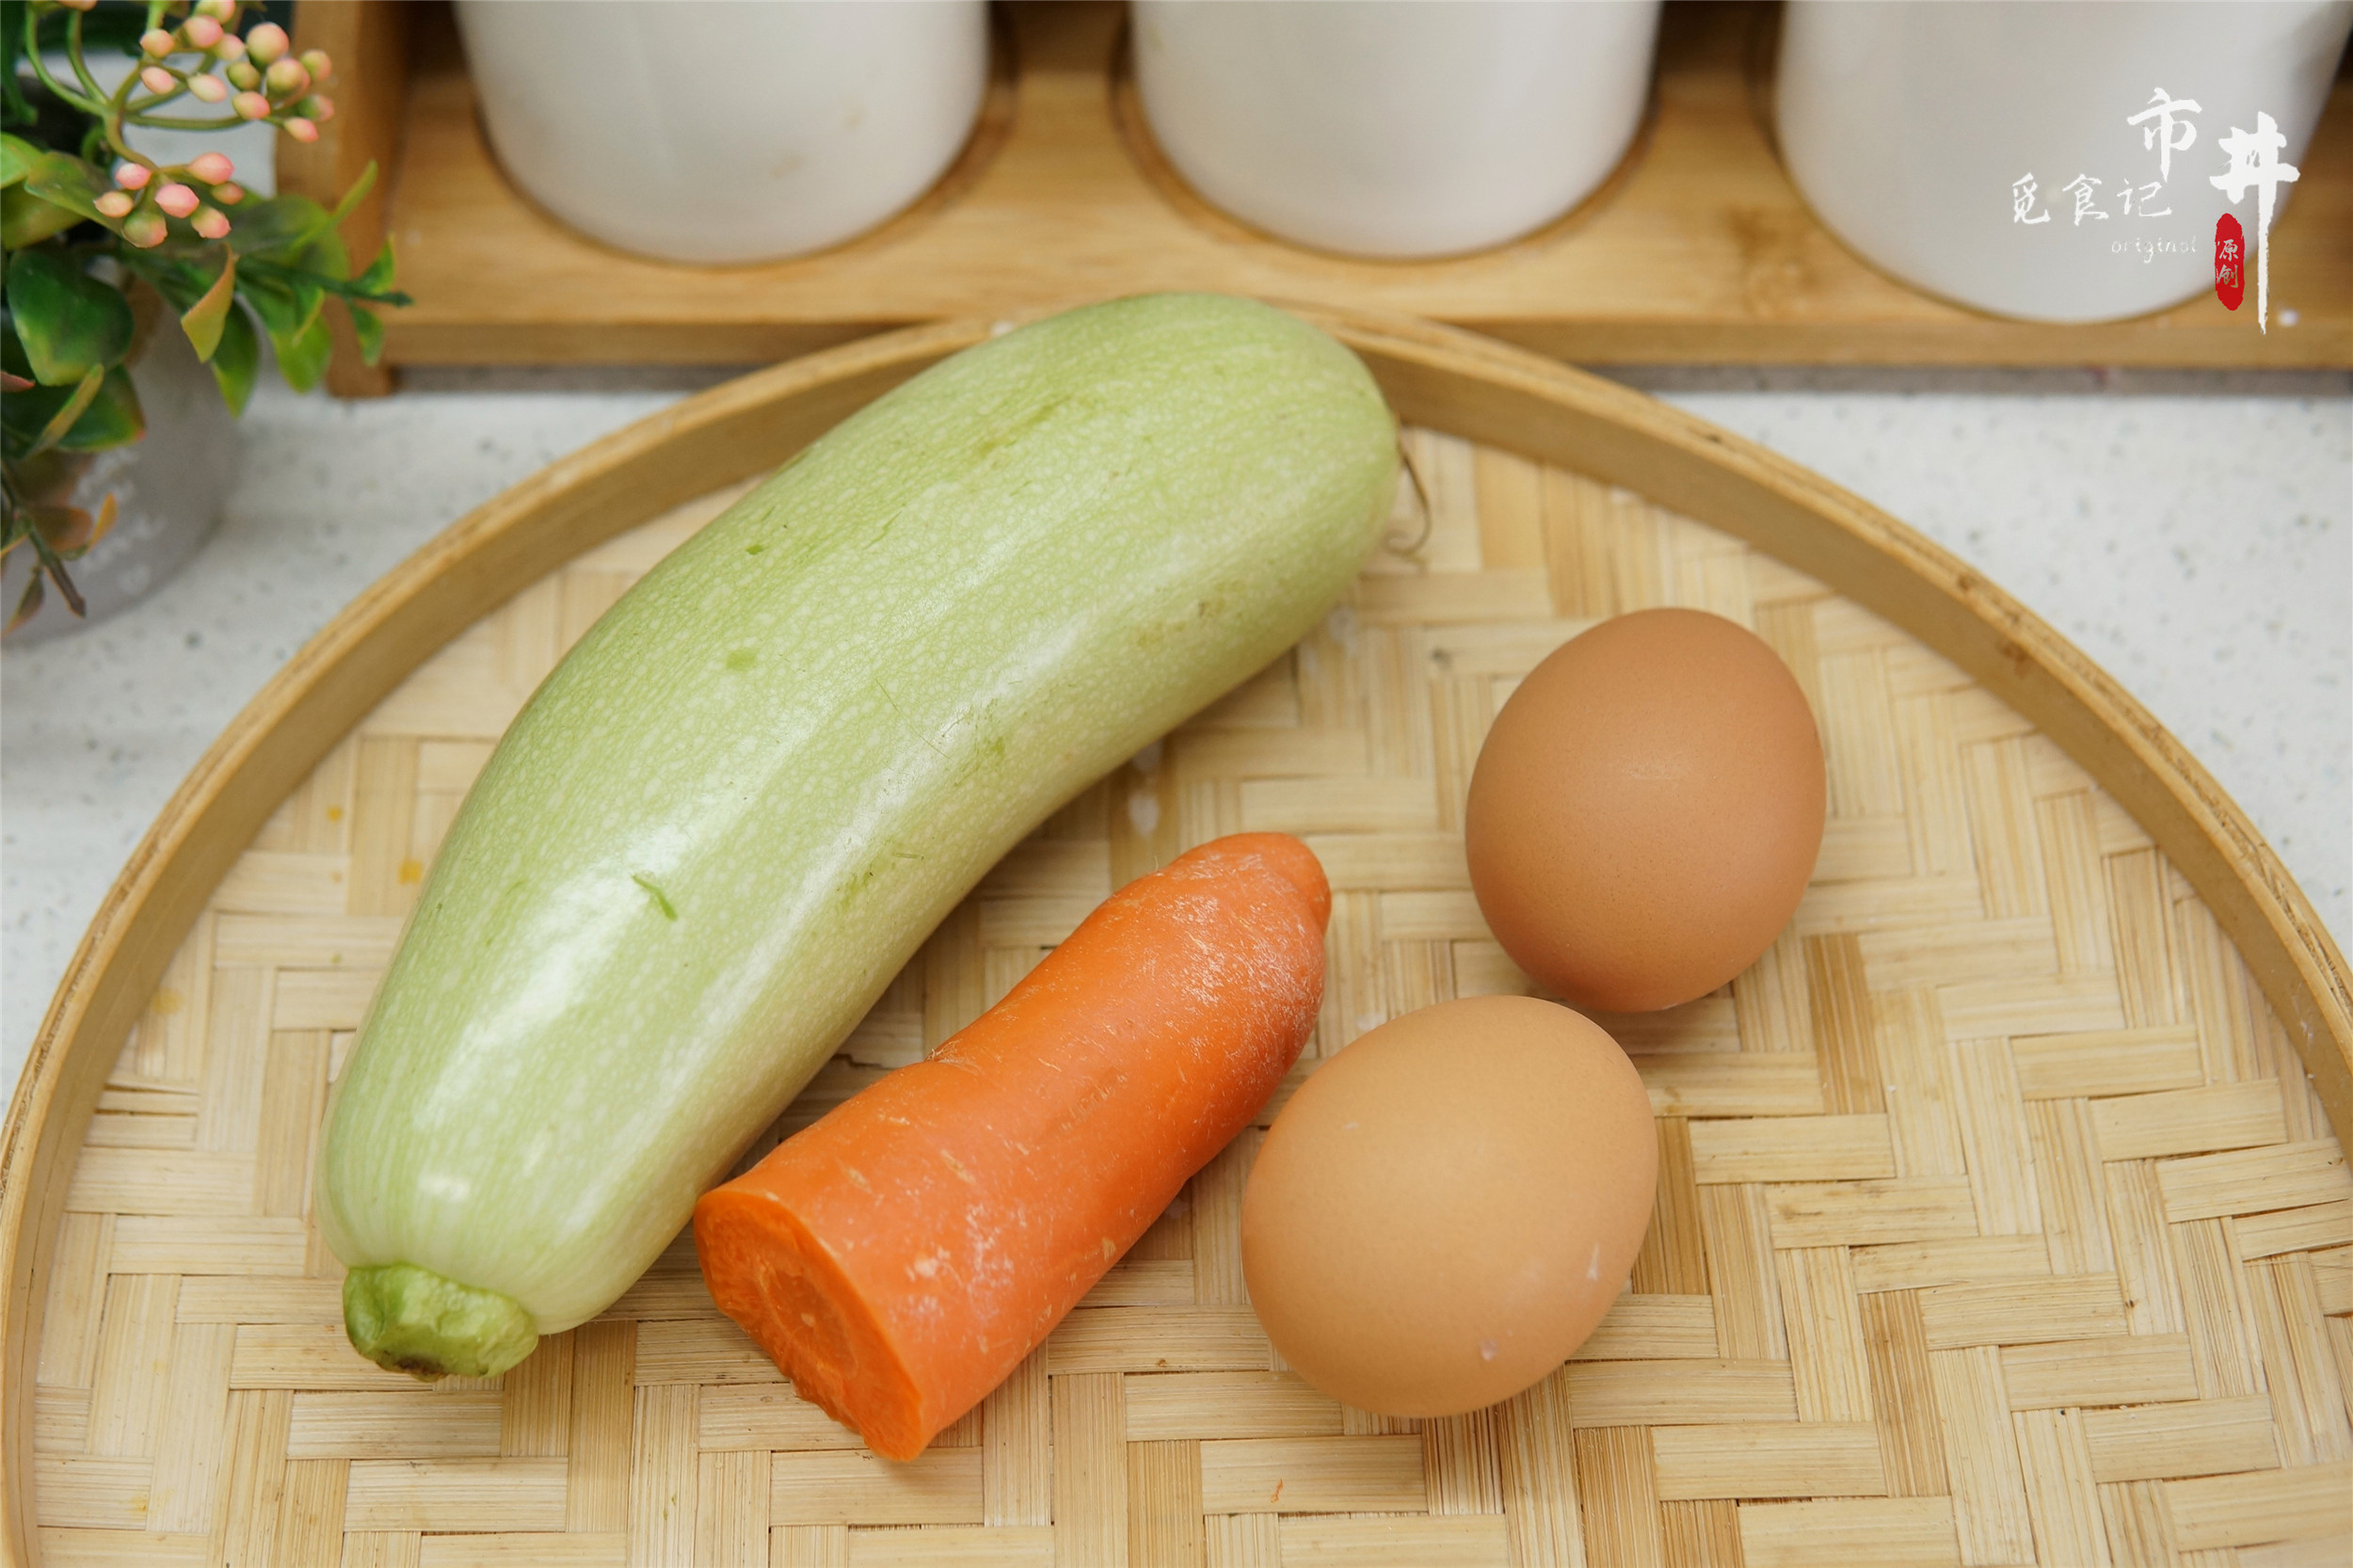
901	1257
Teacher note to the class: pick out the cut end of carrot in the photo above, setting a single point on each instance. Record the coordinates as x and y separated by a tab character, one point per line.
768	1273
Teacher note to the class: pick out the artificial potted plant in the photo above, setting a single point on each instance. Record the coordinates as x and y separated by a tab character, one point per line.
102	242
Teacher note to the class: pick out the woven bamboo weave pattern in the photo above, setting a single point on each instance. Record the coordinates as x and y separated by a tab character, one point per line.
1996	1222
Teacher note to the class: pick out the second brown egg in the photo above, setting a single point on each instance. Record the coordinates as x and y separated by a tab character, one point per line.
1646	812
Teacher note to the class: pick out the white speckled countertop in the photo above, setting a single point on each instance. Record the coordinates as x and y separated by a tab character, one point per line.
2194	533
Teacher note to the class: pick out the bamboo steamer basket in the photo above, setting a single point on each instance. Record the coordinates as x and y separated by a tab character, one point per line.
2000	1215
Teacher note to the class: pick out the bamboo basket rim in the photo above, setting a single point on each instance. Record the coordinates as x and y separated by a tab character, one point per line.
1435	375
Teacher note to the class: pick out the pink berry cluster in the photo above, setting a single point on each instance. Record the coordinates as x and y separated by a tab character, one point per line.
257	75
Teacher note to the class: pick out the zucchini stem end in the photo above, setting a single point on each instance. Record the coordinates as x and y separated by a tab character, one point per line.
409	1320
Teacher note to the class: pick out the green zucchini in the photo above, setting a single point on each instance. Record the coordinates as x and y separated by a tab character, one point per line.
737	807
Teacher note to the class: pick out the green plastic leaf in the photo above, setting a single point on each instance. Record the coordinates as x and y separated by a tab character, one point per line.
67	182
69	530
237	359
23	417
27	407
27	606
203	320
182	277
352	198
17	157
369	328
302	359
62	421
49	564
25	219
378	277
113	418
325	257
71	419
279	227
12	358
118	28
68	321
14	111
286	303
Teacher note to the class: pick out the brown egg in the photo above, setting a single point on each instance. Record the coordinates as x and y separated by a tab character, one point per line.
1646	812
1444	1211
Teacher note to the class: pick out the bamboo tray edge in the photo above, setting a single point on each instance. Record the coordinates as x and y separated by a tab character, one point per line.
1433	376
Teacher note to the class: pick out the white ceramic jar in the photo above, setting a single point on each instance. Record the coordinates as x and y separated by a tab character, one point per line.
1913	127
699	131
1395	128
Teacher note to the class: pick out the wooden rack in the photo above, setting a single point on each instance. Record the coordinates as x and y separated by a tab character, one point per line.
1698	250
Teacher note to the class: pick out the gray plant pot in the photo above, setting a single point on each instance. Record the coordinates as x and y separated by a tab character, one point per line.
169	487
